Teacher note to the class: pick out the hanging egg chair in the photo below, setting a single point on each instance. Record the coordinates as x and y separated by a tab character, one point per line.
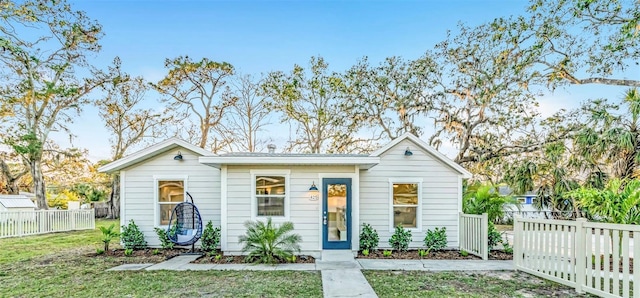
185	224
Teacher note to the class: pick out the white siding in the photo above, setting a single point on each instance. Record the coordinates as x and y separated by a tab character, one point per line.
440	193
203	183
304	213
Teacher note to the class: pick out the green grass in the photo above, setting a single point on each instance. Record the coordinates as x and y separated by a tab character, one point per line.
61	265
463	284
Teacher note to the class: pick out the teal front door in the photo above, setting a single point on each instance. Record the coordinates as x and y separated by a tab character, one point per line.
336	213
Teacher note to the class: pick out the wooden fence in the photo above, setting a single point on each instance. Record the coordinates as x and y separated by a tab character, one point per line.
592	257
474	231
24	223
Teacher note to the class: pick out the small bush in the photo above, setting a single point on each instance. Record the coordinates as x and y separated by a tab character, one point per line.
99	251
132	237
210	238
368	238
218	257
164	238
507	247
155	252
436	240
365	252
128	252
423	252
400	239
464	253
494	236
386	253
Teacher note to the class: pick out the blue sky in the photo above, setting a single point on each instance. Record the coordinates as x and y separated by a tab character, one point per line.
261	36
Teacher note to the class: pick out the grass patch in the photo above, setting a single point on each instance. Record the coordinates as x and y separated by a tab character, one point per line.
502	228
21	249
463	284
60	265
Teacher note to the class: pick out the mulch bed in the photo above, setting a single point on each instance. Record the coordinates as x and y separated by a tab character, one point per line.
435	255
211	259
147	255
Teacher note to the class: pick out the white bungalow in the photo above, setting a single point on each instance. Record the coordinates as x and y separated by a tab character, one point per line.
405	182
16	203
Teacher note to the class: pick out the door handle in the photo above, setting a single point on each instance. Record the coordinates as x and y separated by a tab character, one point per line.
324	220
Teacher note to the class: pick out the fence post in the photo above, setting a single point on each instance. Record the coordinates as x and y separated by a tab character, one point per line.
580	254
73	215
460	231
485	236
517	242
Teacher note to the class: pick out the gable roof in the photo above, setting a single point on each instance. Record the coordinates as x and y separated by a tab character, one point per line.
364	161
435	153
16	201
149	152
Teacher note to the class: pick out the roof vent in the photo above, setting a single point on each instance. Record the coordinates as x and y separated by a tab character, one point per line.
272	148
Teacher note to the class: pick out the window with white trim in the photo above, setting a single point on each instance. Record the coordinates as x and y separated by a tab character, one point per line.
270	195
405	204
170	192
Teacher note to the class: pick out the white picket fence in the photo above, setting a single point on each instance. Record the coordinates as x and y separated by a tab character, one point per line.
474	231
591	257
24	223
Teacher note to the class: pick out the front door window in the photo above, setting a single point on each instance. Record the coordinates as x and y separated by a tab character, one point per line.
336	213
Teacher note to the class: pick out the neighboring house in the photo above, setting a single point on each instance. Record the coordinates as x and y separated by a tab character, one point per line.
10	203
526	208
326	196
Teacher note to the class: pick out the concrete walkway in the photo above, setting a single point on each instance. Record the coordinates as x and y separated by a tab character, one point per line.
340	277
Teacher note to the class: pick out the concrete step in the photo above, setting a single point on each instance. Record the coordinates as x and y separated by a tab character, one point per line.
337	255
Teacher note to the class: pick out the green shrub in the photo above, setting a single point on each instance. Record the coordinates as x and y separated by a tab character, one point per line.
164	238
494	236
128	252
155	252
386	253
400	239
464	253
99	251
210	238
132	237
368	238
267	243
423	252
436	240
218	257
365	252
507	247
107	235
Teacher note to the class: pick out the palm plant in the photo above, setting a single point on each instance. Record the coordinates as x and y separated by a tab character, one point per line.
107	235
485	198
267	243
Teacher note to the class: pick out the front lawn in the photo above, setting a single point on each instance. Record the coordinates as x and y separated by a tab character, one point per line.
60	265
464	284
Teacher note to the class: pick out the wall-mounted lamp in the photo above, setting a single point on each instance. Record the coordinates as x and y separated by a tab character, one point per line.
408	152
313	192
178	156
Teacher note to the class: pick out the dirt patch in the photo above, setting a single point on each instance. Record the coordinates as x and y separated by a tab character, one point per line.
222	259
434	255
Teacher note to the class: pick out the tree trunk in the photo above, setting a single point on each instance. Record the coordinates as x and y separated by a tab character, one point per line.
35	165
114	200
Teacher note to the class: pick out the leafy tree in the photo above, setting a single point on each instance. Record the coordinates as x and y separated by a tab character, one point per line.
267	243
245	121
584	42
389	97
309	100
196	88
481	102
11	172
43	45
128	123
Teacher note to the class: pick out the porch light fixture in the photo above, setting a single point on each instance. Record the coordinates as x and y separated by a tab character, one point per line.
178	156
313	192
408	152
